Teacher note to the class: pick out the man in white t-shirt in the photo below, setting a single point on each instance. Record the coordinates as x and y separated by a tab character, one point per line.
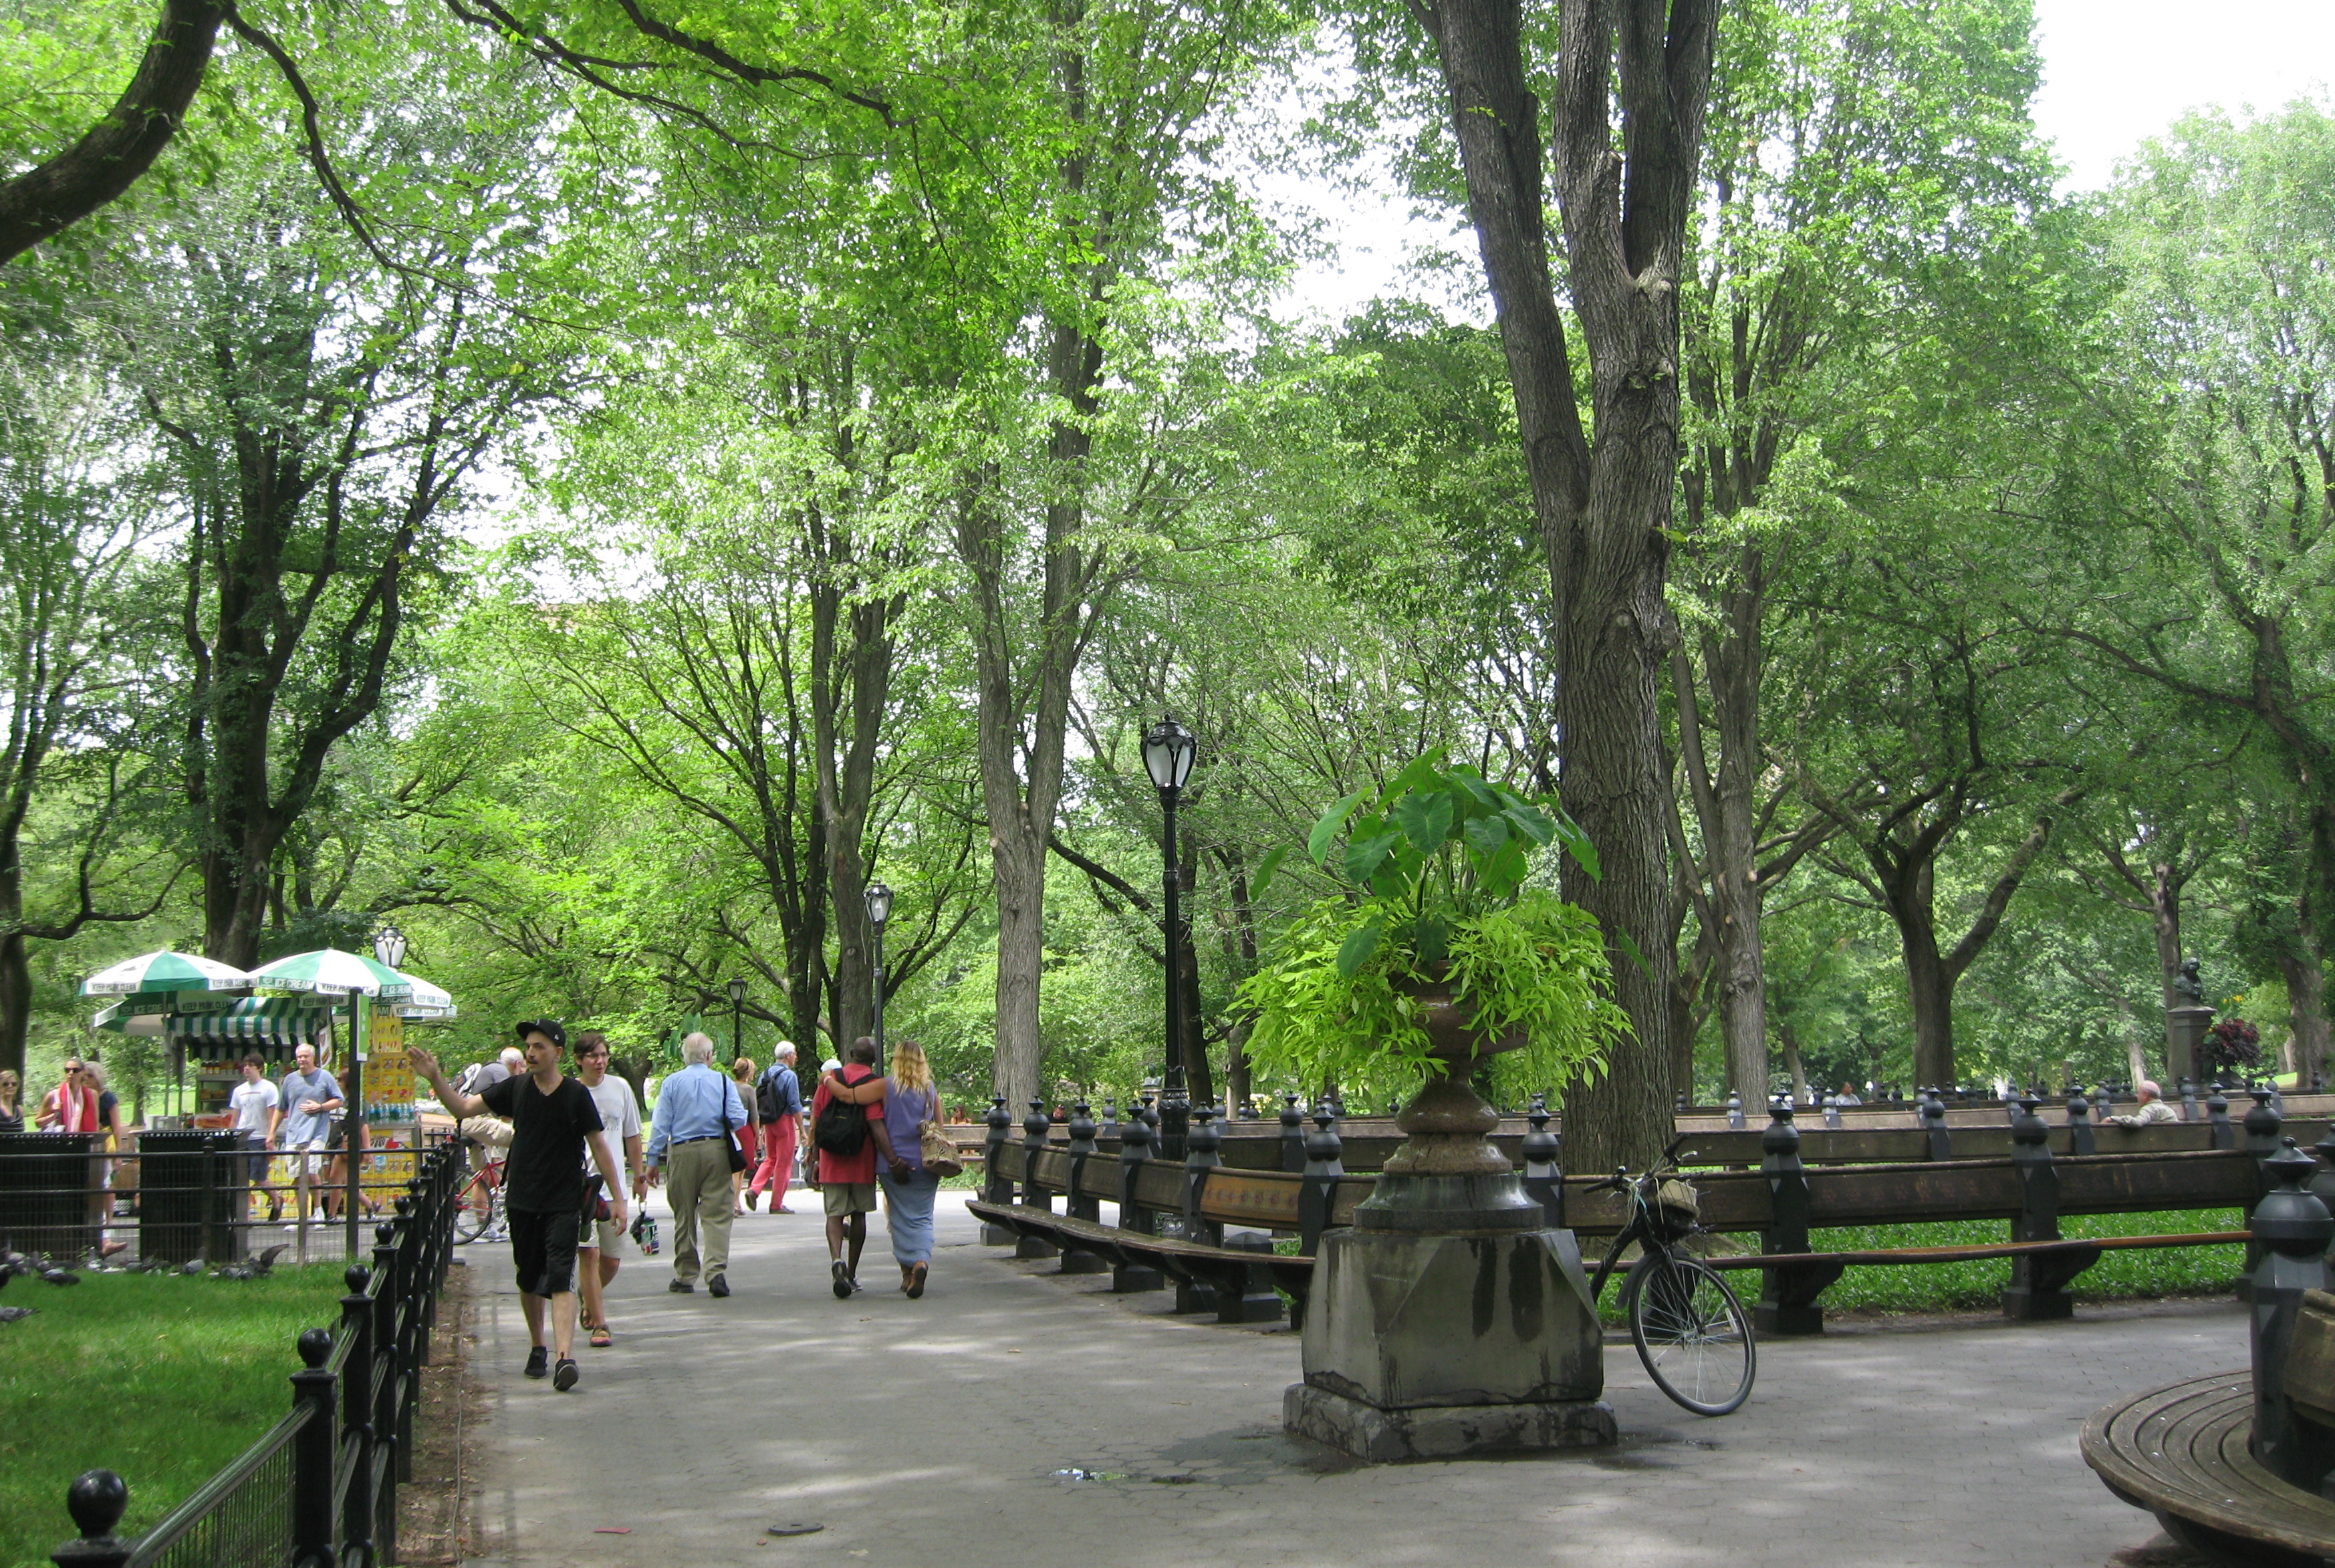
598	1248
258	1106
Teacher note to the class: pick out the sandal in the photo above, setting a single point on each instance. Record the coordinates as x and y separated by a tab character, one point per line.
916	1286
601	1338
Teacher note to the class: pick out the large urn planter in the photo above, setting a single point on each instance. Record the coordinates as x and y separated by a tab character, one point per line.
1450	1319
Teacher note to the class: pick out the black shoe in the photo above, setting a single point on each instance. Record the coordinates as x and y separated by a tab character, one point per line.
843	1286
719	1285
682	1288
538	1362
565	1378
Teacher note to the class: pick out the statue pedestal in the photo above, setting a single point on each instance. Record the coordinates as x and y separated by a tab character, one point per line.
1450	1321
2184	1031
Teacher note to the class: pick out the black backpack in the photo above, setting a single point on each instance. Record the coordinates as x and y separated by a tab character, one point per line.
766	1097
841	1128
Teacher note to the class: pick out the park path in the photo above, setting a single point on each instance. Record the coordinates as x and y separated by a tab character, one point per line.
935	1432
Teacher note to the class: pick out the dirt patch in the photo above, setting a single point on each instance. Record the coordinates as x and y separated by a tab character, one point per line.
437	1511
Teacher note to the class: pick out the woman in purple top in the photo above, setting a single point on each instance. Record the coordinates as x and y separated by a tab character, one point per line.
910	1100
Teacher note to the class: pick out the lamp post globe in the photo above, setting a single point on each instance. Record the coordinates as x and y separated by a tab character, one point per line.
737	1019
389	946
1167	751
879	911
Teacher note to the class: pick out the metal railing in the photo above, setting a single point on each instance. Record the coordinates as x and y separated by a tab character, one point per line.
182	1196
319	1490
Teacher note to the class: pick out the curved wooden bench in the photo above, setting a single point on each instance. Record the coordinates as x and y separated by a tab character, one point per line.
2180	1452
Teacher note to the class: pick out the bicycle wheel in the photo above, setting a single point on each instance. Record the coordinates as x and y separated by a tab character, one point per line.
1691	1333
476	1211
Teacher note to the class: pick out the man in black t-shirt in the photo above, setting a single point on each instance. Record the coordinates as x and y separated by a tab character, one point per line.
553	1118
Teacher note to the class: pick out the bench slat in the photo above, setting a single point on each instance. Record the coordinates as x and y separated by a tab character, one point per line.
2181	1450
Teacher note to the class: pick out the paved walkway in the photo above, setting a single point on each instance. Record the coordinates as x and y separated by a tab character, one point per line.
938	1433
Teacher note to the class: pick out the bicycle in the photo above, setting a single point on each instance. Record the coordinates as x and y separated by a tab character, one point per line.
478	1205
1693	1334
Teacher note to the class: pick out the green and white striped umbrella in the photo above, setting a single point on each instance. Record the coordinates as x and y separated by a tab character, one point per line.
165	972
427	1000
329	971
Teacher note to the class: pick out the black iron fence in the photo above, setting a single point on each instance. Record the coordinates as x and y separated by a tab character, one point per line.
319	1490
179	1196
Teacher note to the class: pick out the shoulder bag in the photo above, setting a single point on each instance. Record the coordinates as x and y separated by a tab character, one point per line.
937	1149
730	1131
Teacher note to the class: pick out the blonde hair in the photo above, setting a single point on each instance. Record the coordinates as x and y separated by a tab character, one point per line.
910	1070
742	1070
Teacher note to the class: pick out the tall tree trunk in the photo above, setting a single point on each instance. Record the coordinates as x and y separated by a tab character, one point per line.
1241	959
16	999
2165	920
1198	1077
1602	506
2299	962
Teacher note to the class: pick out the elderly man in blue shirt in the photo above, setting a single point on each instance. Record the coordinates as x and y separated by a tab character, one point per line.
698	1113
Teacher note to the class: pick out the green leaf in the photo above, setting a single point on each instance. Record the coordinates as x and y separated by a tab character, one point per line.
1317	843
1432	940
1425	819
1577	844
1530	821
1422	769
1364	855
1356	950
1265	870
1631	948
1486	833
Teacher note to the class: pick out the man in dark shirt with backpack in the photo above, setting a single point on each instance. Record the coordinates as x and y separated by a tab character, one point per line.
778	1101
846	1121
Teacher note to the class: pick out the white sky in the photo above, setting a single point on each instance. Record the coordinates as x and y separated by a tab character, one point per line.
2115	71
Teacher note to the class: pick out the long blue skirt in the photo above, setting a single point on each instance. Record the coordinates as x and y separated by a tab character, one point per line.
908	1211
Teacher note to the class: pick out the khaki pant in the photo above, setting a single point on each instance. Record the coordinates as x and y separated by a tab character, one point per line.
697	1182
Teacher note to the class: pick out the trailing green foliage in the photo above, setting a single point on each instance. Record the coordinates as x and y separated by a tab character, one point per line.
1435	866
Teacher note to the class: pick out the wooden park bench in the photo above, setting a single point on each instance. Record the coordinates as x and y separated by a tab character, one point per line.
1780	1203
2194	1453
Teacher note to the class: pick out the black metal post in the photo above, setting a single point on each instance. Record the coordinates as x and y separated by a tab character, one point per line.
1788	1300
1134	1153
2081	1139
1933	1120
879	991
356	1415
996	1179
1543	1177
1292	1134
1324	1152
1076	1203
313	1447
2291	1229
1175	1102
2038	1289
1034	1129
96	1500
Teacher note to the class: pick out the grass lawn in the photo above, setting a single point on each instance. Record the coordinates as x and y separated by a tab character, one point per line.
161	1377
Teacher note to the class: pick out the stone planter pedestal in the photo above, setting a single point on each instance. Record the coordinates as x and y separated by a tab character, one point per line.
1450	1321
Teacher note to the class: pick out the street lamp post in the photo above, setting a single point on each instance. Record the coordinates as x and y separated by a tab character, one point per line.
737	1019
880	910
1167	751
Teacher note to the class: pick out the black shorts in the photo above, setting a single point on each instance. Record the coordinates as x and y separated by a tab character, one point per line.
543	1248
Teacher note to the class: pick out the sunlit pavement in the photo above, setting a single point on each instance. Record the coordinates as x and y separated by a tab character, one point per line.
945	1431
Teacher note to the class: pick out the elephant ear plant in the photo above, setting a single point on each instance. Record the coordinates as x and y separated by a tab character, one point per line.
1435	911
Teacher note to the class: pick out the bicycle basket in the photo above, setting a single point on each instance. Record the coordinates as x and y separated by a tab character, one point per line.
1678	1203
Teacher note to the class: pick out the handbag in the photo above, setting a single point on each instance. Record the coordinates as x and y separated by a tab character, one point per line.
730	1142
936	1148
595	1198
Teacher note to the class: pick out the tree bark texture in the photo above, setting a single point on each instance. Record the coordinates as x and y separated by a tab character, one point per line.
51	196
1602	497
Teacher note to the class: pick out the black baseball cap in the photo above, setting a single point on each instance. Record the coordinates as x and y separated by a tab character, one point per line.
547	1027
